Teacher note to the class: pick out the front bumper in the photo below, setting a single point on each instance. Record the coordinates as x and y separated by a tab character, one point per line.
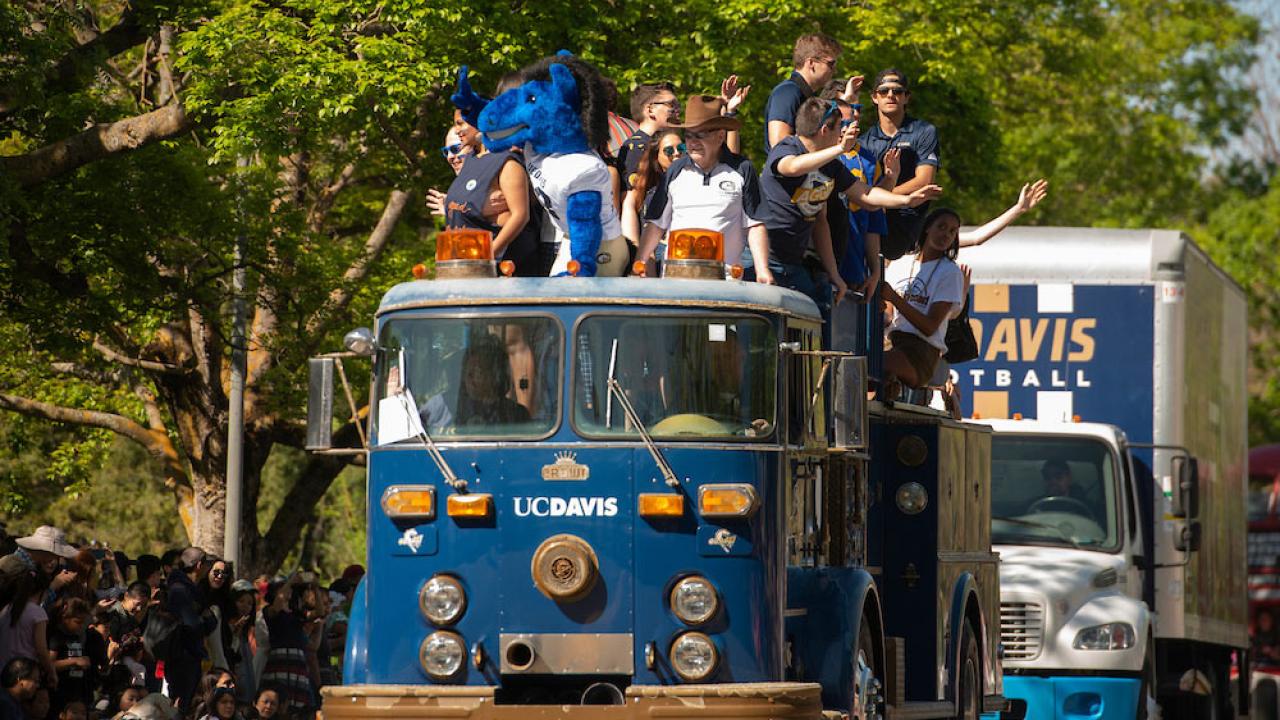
1071	697
799	701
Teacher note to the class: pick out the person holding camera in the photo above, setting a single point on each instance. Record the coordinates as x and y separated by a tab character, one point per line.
193	620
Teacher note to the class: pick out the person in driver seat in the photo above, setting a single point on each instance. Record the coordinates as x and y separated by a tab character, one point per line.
486	385
1058	482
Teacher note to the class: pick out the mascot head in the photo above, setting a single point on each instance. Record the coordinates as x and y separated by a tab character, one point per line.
559	109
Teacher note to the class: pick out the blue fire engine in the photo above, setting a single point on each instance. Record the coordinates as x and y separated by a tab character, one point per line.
653	498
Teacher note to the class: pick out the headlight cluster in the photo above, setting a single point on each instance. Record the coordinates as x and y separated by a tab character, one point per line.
694	601
1112	636
442	601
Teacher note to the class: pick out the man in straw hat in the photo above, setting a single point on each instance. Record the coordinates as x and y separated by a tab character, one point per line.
710	188
41	550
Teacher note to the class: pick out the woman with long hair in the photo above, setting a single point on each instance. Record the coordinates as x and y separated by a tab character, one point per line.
24	624
663	149
925	293
216	588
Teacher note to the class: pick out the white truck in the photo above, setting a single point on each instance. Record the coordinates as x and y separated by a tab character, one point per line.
1112	366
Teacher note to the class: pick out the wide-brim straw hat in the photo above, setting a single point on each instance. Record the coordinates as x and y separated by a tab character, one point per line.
50	539
702	112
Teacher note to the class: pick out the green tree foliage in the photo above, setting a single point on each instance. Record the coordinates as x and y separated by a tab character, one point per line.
140	140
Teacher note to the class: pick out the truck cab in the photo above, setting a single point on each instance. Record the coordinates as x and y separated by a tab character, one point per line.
1075	601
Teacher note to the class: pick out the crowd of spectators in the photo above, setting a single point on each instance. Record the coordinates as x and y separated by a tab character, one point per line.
87	634
839	212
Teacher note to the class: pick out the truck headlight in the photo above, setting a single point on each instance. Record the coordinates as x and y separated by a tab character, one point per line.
1112	636
694	600
442	654
442	600
912	498
694	656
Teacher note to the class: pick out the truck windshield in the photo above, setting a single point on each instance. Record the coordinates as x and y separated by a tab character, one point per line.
1053	491
472	377
687	377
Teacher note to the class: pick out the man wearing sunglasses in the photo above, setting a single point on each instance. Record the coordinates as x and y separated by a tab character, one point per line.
917	141
710	188
799	176
814	59
655	107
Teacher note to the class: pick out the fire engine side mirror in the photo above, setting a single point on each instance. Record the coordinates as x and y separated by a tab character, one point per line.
1186	490
1187	539
850	403
320	404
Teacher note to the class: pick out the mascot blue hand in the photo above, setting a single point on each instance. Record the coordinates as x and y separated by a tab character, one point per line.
584	230
467	100
543	114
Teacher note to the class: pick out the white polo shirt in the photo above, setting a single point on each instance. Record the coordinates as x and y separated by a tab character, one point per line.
726	199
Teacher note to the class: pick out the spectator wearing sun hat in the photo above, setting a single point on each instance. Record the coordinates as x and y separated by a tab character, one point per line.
710	188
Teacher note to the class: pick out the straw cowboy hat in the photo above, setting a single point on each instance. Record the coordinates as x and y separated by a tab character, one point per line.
702	112
50	539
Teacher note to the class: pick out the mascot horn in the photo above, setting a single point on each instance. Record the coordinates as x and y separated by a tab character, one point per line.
558	117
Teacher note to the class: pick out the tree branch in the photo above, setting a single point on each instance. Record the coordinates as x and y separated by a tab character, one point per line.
99	141
155	442
71	67
117	357
341	296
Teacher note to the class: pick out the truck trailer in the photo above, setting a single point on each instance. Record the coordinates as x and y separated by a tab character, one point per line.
661	497
1112	366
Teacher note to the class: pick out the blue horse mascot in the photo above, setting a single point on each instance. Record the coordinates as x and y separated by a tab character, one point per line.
558	116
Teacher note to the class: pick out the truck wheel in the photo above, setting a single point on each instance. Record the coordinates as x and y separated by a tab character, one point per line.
867	682
968	676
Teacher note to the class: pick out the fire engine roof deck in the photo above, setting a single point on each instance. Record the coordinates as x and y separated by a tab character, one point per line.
703	294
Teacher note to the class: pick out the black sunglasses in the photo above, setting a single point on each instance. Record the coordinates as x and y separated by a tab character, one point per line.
673	150
894	90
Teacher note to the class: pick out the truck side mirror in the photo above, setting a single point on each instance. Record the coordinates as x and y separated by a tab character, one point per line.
1186	492
1188	538
320	404
850	403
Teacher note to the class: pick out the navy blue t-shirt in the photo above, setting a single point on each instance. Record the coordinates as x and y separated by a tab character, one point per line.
791	204
784	101
464	203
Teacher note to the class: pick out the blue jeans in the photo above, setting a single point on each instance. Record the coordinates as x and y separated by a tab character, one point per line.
798	278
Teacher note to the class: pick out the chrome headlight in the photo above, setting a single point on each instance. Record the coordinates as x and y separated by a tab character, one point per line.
442	654
442	600
912	498
1112	636
694	656
694	600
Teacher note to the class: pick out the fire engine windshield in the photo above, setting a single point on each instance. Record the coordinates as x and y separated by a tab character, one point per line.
686	377
472	377
1053	491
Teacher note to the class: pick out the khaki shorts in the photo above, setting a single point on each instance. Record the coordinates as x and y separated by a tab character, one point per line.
922	356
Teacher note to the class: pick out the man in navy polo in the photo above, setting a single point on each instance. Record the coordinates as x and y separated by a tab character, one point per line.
814	59
800	174
917	141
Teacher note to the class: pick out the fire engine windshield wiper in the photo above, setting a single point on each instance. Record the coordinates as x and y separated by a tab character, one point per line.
420	429
1027	523
615	390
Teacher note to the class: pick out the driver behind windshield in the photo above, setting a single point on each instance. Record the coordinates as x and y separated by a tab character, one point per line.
1059	483
486	385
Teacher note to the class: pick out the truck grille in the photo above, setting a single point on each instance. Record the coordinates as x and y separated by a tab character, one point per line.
1021	629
